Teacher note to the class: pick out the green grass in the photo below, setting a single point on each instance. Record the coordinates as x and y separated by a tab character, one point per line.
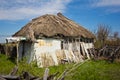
96	70
6	64
90	70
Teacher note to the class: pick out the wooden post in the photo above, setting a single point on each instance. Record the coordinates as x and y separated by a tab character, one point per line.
17	52
6	47
46	74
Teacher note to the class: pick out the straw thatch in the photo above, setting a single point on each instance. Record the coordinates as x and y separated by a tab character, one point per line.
54	25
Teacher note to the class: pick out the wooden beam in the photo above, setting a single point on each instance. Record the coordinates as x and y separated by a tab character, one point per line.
17	45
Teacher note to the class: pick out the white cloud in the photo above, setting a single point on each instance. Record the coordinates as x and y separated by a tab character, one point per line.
109	6
27	9
104	3
113	10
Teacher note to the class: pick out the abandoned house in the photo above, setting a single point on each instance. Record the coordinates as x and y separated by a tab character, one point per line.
51	39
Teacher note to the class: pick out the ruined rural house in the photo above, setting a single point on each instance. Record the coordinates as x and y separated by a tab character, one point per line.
52	39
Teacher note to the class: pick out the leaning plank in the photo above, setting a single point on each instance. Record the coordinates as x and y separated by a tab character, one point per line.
14	71
75	67
62	75
1	78
117	49
53	76
9	77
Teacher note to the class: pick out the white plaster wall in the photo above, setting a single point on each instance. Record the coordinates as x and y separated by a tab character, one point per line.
47	45
35	51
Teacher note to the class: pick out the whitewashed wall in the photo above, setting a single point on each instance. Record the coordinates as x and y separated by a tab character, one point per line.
37	50
47	52
47	45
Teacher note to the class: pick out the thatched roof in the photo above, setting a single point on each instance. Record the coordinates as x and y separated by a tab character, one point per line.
54	25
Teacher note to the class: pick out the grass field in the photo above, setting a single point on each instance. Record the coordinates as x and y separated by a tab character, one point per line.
96	70
90	70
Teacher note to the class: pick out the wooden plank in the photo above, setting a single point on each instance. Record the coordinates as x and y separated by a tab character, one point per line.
9	77
62	75
1	78
46	74
14	71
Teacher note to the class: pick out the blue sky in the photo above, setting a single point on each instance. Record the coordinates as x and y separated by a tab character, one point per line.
14	14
